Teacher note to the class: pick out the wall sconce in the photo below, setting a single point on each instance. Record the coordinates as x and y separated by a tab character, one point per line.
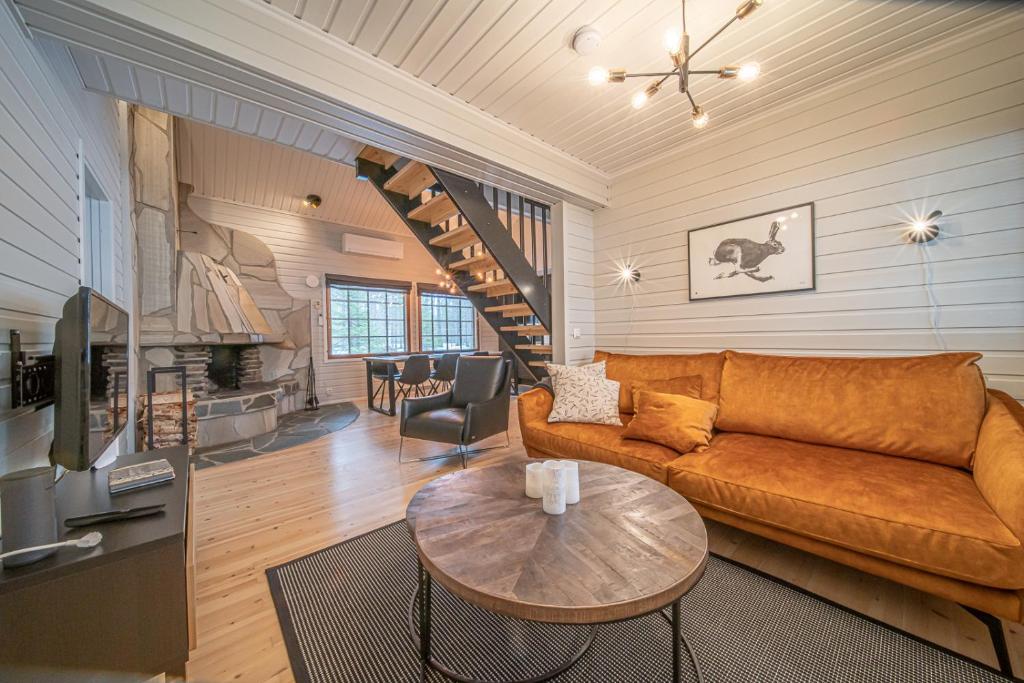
924	229
312	201
629	274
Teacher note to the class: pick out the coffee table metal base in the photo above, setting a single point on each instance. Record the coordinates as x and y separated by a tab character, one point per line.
423	642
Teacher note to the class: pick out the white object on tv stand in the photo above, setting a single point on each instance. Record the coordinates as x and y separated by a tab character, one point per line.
90	540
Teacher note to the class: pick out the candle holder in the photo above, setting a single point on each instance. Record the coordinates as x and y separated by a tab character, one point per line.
535	480
554	487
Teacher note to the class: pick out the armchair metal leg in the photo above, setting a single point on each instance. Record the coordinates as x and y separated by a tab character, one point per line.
401	445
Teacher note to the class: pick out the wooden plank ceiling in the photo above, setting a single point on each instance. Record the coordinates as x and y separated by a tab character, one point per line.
511	58
222	164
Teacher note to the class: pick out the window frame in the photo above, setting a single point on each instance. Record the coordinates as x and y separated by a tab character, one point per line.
366	283
96	252
423	288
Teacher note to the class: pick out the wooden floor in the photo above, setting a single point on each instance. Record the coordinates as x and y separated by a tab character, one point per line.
264	511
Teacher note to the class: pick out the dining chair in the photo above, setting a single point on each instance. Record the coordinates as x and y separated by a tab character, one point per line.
475	408
444	372
379	371
415	373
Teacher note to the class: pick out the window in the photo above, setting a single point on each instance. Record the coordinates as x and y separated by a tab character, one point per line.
97	237
366	318
447	322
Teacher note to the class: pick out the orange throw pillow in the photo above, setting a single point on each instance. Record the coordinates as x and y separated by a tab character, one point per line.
678	422
687	385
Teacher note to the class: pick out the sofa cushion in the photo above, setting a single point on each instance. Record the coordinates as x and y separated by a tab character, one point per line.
624	368
599	443
913	513
582	394
925	407
678	422
687	385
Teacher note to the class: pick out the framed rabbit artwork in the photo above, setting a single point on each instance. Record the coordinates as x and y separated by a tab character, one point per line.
768	253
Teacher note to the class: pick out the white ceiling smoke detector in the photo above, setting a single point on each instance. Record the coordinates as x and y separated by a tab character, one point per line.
586	41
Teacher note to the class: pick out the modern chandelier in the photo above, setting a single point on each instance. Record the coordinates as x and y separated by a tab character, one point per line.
677	42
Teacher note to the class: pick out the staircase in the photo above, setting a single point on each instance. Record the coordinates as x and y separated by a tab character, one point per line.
493	243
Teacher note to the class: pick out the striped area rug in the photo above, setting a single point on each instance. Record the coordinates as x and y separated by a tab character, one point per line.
344	612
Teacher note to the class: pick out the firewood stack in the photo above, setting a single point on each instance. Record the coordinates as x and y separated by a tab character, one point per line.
167	420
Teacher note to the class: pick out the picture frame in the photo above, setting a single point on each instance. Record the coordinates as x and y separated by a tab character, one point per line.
765	253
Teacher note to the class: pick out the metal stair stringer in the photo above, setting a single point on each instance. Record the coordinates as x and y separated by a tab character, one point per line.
471	203
377	175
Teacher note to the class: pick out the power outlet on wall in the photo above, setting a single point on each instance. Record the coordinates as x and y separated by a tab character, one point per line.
576	333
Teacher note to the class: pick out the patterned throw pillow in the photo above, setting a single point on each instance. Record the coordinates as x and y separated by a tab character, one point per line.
582	394
554	370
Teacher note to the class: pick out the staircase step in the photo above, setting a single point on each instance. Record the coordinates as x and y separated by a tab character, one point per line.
542	349
478	263
537	364
526	330
437	210
456	239
378	156
500	287
411	180
510	310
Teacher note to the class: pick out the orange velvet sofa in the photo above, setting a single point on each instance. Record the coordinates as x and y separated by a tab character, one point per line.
906	468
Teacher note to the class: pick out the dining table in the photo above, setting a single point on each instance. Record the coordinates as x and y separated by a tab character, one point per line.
388	365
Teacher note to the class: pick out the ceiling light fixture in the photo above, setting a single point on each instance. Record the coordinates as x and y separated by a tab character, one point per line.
312	201
446	280
677	43
700	117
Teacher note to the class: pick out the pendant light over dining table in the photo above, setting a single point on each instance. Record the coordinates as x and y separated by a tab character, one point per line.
677	43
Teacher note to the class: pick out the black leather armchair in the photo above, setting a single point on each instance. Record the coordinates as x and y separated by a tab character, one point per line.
475	408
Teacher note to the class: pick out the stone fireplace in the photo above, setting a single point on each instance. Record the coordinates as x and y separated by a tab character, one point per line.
210	301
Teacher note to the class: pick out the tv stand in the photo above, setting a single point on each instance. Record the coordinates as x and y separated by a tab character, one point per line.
125	605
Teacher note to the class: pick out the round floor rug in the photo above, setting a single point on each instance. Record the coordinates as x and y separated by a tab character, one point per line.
293	429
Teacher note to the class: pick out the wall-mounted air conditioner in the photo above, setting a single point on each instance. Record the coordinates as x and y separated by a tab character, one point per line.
361	245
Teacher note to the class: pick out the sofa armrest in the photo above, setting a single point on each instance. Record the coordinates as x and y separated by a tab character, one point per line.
534	406
999	461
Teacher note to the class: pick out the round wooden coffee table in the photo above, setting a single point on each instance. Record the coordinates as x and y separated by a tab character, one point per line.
630	547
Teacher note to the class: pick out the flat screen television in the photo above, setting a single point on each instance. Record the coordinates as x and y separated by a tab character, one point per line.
91	355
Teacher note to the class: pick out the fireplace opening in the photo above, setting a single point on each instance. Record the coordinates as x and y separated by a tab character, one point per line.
222	372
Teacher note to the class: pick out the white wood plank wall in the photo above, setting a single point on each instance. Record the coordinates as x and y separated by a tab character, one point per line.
44	117
303	246
941	129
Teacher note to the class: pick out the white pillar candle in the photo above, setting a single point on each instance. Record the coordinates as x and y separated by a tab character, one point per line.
554	488
535	480
572	481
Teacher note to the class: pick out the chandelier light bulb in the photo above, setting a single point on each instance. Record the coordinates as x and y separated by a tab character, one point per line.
673	40
749	71
598	75
639	99
700	117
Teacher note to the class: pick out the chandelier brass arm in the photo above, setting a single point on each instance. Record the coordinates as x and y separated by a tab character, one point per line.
678	46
